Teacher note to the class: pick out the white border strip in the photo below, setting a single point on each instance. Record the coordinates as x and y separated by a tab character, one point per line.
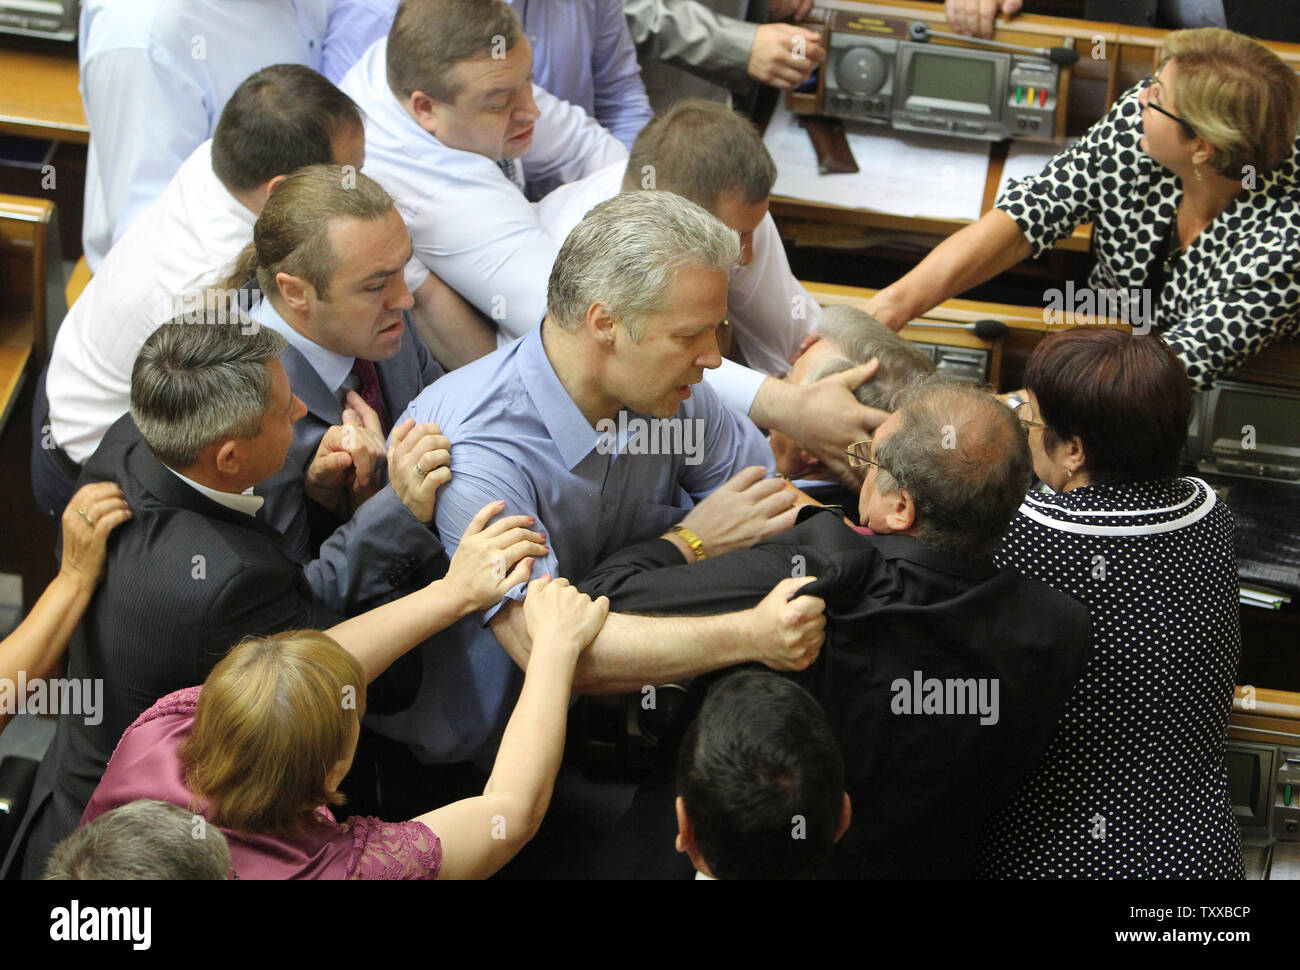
1126	530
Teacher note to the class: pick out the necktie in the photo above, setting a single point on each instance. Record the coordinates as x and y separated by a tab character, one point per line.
507	166
368	378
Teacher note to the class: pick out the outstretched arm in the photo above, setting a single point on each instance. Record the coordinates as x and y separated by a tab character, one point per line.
480	835
36	646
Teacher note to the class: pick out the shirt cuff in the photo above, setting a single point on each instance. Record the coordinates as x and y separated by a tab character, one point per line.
736	385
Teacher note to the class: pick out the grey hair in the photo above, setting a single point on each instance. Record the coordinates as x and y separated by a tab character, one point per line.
200	378
625	254
963	457
144	839
858	336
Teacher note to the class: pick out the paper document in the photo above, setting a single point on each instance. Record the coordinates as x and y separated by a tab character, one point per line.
901	173
1024	158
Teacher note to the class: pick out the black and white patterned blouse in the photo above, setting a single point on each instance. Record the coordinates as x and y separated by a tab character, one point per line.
1134	784
1234	289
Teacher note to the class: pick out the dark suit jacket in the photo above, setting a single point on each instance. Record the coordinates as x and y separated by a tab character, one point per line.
185	580
383	549
922	785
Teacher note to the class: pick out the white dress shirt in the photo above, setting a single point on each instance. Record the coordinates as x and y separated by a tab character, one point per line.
155	75
469	223
769	308
188	238
245	501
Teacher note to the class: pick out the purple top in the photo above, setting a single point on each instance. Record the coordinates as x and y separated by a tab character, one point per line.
145	765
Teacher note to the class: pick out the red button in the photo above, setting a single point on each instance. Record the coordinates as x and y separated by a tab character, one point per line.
1042	97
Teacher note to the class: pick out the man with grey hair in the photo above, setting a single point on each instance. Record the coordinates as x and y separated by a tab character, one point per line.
194	571
848	338
715	157
923	623
598	426
144	839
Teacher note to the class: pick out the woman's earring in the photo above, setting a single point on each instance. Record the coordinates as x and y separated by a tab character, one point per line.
1197	172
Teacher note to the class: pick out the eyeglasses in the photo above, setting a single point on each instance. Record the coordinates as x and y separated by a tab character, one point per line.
1187	125
1025	412
858	452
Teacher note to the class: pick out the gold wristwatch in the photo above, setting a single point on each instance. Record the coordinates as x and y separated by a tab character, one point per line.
692	540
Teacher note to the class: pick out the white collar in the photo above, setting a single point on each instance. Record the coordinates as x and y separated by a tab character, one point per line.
245	502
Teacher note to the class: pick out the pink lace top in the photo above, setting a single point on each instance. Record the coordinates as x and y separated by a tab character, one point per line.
145	765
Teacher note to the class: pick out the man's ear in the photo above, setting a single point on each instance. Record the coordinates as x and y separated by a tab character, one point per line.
426	110
902	512
686	839
295	292
269	187
600	325
685	834
227	458
846	818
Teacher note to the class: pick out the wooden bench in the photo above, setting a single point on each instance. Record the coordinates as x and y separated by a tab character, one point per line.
31	304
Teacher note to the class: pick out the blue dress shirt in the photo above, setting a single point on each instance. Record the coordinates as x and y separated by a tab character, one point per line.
517	435
583	53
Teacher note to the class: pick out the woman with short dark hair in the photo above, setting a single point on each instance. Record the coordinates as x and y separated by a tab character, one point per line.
1134	784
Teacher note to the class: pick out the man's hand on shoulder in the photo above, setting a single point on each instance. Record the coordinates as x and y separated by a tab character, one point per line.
788	633
419	463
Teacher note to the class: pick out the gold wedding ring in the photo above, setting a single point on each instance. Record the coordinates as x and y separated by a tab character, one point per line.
86	515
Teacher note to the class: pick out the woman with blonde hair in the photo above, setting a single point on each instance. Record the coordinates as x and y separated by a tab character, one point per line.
261	748
1190	182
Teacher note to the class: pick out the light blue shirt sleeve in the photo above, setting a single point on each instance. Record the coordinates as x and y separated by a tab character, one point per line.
353	26
731	443
480	476
621	102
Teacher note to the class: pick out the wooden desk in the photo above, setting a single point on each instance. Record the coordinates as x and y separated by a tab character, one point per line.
784	209
39	97
1113	58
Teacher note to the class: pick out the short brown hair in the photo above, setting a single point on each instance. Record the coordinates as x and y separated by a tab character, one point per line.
1238	95
275	715
701	150
292	233
1125	396
430	37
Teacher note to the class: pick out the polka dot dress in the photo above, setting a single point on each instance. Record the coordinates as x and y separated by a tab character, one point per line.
1134	783
1232	291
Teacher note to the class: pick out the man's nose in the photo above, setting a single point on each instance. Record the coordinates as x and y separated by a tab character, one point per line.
404	300
528	110
711	356
299	409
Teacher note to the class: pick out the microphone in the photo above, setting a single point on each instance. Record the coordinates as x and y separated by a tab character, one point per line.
921	32
984	329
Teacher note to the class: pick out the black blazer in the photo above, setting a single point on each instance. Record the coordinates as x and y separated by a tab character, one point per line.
185	580
922	785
